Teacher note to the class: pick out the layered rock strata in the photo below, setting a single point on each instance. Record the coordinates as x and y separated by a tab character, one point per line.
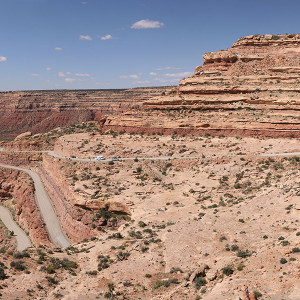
252	88
41	111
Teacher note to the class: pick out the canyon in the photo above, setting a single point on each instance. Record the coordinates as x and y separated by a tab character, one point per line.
41	111
197	195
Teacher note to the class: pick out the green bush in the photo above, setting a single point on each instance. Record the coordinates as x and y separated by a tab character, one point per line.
257	294
243	253
2	274
199	282
283	260
227	270
166	283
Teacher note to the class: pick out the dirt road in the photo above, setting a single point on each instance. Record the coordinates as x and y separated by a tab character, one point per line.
23	240
47	210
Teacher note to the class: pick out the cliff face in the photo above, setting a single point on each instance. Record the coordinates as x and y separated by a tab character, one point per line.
256	70
256	80
17	186
76	213
41	111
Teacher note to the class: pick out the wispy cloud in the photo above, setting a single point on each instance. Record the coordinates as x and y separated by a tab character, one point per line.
166	80
134	76
82	75
141	82
83	2
152	73
62	74
35	75
48	69
147	24
167	68
70	80
106	37
182	74
3	59
85	37
58	49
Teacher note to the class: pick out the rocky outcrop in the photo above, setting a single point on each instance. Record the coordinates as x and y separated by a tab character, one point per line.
41	111
17	159
18	186
252	88
75	212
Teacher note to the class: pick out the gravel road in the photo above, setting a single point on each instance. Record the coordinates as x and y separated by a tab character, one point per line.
47	211
23	240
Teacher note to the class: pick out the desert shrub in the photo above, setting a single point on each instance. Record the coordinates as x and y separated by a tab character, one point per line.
222	238
257	294
51	280
117	236
18	265
243	253
123	255
135	234
142	224
2	274
283	260
19	255
199	282
234	247
103	263
91	272
227	270
176	270
68	264
144	249
165	283
296	250
50	270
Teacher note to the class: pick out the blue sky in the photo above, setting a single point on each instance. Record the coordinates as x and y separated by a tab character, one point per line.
81	44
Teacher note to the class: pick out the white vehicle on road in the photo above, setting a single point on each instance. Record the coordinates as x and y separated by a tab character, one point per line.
99	157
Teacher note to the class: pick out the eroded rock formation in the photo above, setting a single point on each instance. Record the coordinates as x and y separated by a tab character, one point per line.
41	111
251	89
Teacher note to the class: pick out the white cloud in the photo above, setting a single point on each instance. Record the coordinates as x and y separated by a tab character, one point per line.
182	74
3	59
62	74
106	37
164	80
58	49
70	80
83	3
82	75
141	82
85	37
147	24
152	73
35	75
134	76
167	68
48	69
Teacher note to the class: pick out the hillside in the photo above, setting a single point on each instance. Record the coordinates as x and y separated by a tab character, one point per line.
41	111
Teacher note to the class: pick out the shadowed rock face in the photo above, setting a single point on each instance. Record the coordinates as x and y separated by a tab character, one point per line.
252	88
41	111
